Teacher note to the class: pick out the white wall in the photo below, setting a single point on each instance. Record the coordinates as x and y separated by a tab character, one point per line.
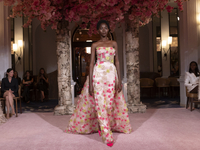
164	36
118	35
189	41
44	49
144	48
18	35
5	40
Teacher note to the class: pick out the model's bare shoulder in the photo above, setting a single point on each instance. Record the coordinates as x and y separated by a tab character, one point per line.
94	45
114	43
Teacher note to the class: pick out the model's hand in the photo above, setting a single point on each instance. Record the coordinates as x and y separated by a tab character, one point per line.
119	88
11	91
91	90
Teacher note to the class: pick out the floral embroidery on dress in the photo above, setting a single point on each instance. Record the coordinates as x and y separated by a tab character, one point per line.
107	110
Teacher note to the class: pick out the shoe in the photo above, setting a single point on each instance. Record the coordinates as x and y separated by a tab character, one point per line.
110	144
99	132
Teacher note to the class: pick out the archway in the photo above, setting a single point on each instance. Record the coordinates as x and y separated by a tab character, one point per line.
81	44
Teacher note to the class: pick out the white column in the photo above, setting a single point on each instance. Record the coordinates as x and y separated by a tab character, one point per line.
189	42
198	28
18	35
164	36
183	47
5	40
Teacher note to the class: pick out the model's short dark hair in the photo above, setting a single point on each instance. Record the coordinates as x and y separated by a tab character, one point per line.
102	21
196	69
8	70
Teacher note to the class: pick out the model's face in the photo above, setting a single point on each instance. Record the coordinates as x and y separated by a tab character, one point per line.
193	66
103	30
27	74
10	74
42	71
15	74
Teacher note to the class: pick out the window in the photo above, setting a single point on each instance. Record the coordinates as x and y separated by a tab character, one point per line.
156	24
174	47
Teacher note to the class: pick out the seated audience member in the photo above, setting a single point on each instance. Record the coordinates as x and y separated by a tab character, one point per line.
27	84
18	78
9	90
42	83
192	78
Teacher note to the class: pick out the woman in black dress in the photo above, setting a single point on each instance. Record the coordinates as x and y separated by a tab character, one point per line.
18	78
42	82
27	84
9	89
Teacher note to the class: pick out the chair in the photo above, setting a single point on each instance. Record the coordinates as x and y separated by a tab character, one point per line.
147	83
173	84
16	100
191	98
38	94
20	102
162	83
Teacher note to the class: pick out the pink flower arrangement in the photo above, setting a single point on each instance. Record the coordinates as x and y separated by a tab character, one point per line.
89	12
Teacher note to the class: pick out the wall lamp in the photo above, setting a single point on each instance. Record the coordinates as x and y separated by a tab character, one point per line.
15	48
164	44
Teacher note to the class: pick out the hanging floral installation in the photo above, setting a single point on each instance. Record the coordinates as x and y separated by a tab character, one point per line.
88	12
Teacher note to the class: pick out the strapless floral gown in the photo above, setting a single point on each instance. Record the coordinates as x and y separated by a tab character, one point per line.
107	109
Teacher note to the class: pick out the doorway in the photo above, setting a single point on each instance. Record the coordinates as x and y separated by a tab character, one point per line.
81	53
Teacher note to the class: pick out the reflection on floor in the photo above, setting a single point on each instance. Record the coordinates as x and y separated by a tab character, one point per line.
48	106
37	106
163	102
157	129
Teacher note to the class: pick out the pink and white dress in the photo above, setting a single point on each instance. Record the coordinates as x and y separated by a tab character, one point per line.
107	109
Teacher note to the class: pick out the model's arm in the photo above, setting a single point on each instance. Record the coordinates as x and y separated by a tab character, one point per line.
46	80
92	59
32	80
24	82
119	84
187	80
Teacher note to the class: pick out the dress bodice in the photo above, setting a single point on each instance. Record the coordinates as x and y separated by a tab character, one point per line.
105	54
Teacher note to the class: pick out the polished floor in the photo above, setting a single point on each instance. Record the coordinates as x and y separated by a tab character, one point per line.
157	129
48	105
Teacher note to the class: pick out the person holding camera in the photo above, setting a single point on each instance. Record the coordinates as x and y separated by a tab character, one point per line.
27	84
42	83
